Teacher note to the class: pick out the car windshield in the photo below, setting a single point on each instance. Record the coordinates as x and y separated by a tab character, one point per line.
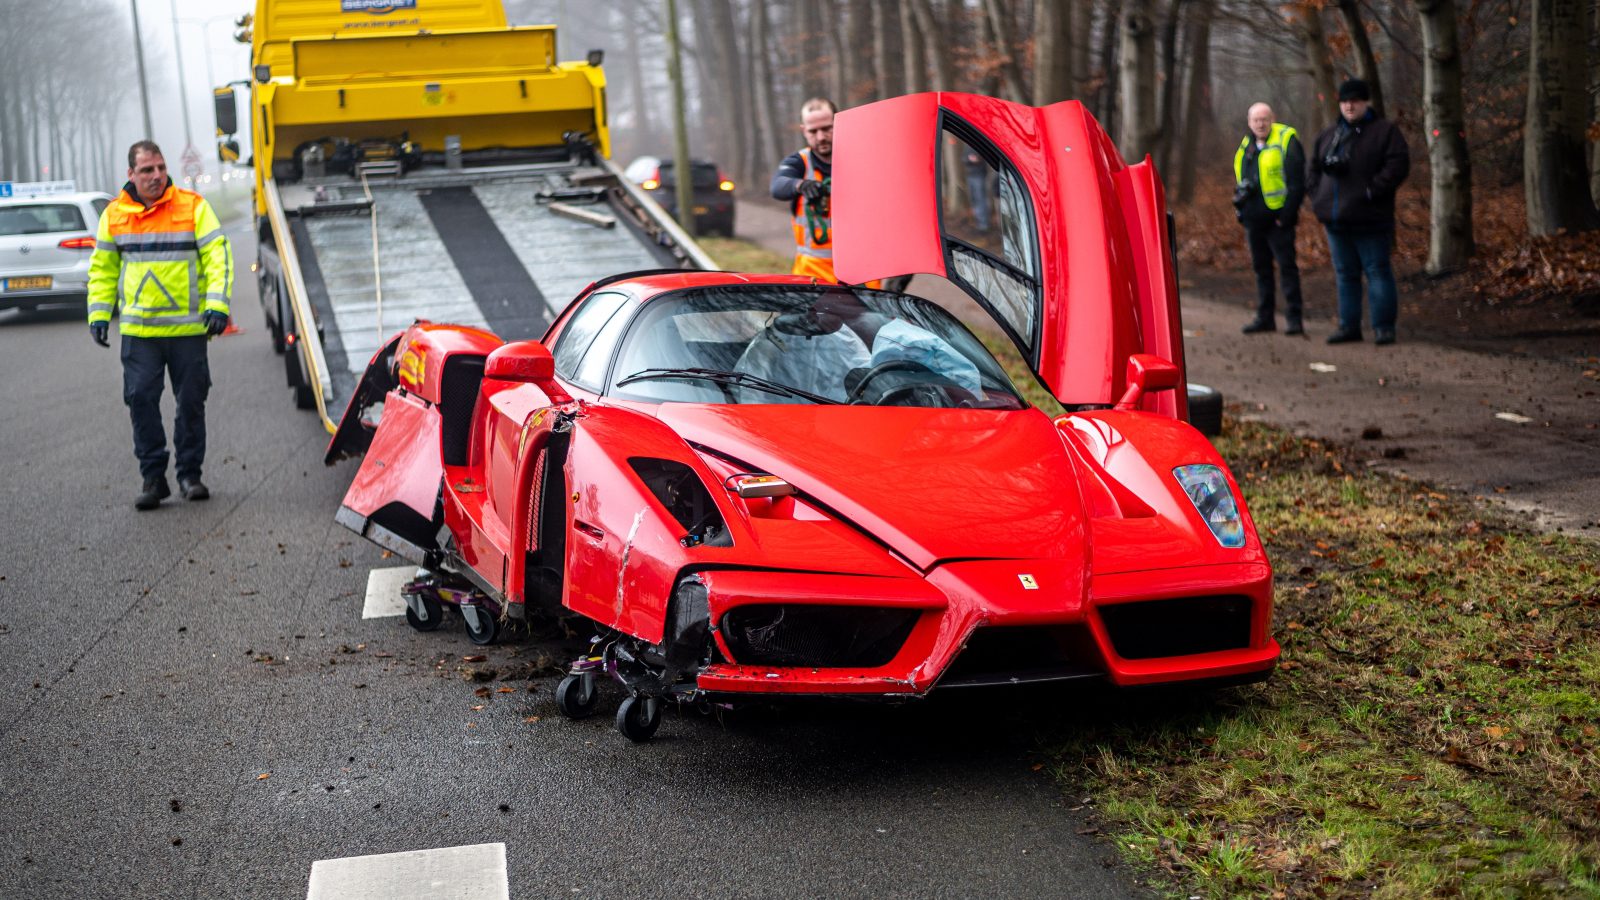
804	344
40	219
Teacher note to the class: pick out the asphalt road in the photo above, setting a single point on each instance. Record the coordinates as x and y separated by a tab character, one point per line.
192	705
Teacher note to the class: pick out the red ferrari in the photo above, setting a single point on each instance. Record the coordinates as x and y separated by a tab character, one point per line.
764	485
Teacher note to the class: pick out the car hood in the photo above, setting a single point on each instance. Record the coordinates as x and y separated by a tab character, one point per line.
933	484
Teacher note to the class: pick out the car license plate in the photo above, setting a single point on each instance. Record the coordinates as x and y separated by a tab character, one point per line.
27	283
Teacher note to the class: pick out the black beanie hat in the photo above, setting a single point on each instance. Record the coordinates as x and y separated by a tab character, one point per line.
1355	89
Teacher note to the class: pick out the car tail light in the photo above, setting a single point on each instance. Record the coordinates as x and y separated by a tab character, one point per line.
724	182
77	243
653	182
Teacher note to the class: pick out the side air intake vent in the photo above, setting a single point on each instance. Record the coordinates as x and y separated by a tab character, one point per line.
681	491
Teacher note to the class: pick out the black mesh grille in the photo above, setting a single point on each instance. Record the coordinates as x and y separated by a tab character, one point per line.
777	634
1001	655
1150	629
458	393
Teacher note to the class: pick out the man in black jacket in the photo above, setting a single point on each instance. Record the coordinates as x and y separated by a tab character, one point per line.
1268	185
1357	165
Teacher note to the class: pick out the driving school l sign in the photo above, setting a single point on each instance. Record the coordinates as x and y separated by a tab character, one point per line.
376	7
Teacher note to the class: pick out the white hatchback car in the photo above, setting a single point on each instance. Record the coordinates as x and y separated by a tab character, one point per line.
45	244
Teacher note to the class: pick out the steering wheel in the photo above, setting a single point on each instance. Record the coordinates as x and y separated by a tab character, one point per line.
936	382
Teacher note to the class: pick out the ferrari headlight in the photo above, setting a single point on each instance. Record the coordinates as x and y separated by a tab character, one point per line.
1208	489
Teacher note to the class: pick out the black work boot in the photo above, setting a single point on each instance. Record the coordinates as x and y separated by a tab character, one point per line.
1259	324
1345	336
1292	325
154	491
1382	336
193	489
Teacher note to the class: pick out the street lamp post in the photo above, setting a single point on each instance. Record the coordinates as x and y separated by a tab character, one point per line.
144	88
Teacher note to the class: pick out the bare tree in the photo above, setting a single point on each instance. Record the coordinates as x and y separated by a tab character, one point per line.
888	79
1010	70
1450	208
1052	52
1366	63
1138	128
1555	175
1198	111
1309	19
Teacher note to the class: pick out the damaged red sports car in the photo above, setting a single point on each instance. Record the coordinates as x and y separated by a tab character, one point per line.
759	484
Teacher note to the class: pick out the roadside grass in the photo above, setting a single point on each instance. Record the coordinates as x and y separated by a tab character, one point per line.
1432	730
738	255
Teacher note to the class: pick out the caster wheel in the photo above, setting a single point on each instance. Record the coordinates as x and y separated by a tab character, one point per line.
576	696
488	625
431	616
638	718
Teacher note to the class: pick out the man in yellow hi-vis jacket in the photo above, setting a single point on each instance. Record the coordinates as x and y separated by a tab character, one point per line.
160	256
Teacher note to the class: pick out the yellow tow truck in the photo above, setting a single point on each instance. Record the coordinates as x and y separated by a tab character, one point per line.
424	159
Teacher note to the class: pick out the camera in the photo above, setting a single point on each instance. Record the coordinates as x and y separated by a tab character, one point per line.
1242	192
1336	163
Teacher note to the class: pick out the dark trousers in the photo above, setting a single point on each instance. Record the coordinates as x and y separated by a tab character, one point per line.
145	362
1268	242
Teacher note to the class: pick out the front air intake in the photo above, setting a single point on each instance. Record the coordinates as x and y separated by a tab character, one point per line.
1150	629
822	637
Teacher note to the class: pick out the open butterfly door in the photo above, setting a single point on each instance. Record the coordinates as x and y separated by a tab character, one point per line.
1075	262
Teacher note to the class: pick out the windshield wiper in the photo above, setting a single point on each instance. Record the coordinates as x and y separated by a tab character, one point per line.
721	376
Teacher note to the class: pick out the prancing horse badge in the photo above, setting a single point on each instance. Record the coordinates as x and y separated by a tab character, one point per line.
1028	584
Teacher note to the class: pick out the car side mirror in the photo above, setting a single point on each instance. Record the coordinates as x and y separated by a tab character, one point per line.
227	111
525	362
1147	373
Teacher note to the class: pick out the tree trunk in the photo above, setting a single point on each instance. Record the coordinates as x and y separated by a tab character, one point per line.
1106	98
683	172
933	44
1366	63
1198	116
767	152
641	102
1010	70
1555	177
724	32
1450	209
829	24
1052	53
1167	121
1079	29
856	40
888	80
916	63
1137	129
1316	42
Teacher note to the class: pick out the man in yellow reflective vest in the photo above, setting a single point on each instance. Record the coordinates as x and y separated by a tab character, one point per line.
160	256
805	181
1269	182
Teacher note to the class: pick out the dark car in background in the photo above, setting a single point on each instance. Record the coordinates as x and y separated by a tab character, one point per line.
713	191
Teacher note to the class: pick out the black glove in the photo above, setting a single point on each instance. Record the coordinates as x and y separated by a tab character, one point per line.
101	332
215	321
812	189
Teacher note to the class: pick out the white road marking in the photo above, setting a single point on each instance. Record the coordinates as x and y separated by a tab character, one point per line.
383	592
1512	417
475	872
1324	367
